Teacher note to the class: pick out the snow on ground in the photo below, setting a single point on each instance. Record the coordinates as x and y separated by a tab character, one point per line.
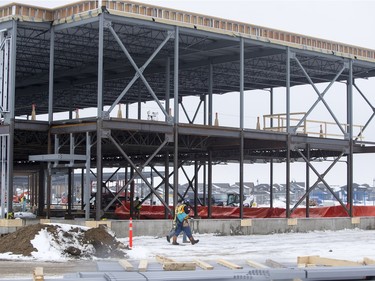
350	244
345	244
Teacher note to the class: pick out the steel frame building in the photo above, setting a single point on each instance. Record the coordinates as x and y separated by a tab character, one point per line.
104	54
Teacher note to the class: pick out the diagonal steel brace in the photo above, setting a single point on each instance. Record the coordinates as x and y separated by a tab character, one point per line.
320	95
139	71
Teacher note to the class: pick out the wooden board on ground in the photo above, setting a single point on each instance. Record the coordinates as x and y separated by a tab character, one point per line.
179	266
274	264
368	261
256	265
126	265
162	259
228	264
203	265
317	260
142	267
38	274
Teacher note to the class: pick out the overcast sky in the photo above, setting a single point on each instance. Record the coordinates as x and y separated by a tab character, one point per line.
345	21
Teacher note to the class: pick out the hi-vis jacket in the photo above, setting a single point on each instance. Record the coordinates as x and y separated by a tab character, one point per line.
181	215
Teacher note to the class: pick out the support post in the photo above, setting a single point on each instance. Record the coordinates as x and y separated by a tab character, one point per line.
196	186
307	180
167	86
242	113
51	74
210	93
288	131
12	97
350	138
209	186
176	118
87	189
271	162
166	183
99	174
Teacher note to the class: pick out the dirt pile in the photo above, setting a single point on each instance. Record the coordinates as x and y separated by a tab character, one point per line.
70	241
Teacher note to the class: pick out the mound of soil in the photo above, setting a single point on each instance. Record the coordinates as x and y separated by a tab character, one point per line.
73	242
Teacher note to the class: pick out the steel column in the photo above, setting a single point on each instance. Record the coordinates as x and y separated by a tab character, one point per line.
87	188
51	74
288	144
99	172
176	117
196	187
209	185
12	98
242	113
167	86
271	162
307	181
166	183
210	93
350	158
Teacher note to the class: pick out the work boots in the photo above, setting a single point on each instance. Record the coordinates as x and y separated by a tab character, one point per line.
193	241
174	240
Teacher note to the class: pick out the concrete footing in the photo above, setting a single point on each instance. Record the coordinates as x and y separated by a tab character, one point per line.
218	226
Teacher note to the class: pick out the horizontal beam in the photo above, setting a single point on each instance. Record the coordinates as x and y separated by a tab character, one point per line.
57	157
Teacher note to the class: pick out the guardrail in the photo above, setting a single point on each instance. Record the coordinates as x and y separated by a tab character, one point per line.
322	129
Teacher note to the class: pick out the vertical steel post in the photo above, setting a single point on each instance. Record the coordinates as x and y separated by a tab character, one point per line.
51	75
98	197
87	193
196	186
12	97
242	110
176	117
307	180
350	138
210	93
139	100
167	108
209	185
166	183
288	55
167	85
288	131
271	162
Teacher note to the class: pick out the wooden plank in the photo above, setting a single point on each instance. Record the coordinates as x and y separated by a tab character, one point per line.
256	265
368	261
274	264
332	262
38	274
179	266
162	259
228	264
127	265
142	267
304	261
203	265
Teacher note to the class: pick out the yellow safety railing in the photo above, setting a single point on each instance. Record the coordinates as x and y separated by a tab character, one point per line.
323	129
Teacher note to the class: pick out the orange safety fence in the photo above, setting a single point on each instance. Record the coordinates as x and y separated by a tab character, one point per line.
157	212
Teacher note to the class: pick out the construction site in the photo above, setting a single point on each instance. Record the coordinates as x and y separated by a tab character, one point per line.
125	92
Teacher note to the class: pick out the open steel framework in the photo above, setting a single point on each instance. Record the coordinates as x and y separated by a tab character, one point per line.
101	55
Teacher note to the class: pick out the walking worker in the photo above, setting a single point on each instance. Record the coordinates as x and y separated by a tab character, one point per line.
137	205
182	223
